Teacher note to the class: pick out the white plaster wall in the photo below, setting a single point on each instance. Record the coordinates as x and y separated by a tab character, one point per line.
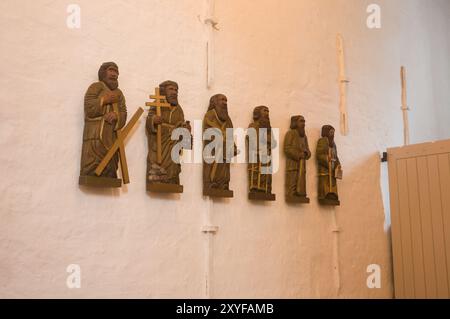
278	53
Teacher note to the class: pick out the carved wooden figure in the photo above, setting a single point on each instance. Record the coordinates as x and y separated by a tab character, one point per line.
105	115
165	115
260	143
296	149
216	172
329	167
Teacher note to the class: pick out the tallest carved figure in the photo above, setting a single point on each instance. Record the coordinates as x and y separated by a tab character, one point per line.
105	113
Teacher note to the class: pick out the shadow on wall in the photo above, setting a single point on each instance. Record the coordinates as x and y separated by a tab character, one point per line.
112	192
364	222
164	196
362	185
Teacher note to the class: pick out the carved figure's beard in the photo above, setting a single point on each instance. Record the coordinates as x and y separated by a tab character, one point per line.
222	113
112	84
172	99
301	131
264	122
331	141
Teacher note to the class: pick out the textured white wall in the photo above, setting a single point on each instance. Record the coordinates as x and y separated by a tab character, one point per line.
282	54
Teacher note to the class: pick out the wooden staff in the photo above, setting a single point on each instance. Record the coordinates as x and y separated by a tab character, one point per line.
259	174
329	167
252	167
299	174
267	181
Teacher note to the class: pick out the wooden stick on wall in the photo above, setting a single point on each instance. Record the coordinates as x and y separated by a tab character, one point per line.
342	86
405	107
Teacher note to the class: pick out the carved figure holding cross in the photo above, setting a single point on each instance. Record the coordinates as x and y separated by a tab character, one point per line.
105	116
165	115
160	102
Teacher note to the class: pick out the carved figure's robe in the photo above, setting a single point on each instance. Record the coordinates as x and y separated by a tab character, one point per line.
168	171
217	175
294	146
259	182
99	135
328	161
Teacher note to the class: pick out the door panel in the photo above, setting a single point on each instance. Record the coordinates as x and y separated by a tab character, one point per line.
419	183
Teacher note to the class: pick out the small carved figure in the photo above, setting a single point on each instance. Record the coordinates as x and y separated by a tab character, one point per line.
329	167
259	153
216	173
296	149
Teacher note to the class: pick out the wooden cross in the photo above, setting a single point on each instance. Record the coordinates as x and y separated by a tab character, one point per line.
160	102
118	145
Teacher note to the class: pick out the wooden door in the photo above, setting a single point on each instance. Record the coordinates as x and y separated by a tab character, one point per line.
419	184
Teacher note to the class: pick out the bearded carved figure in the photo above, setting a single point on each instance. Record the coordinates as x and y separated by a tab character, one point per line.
296	149
164	175
260	143
216	171
329	167
105	113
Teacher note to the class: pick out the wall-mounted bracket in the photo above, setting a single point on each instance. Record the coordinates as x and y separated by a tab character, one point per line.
210	229
336	230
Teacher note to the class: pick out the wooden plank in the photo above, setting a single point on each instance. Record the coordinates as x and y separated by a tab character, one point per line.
444	172
220	193
95	181
419	178
438	230
405	226
416	229
396	229
164	188
427	228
